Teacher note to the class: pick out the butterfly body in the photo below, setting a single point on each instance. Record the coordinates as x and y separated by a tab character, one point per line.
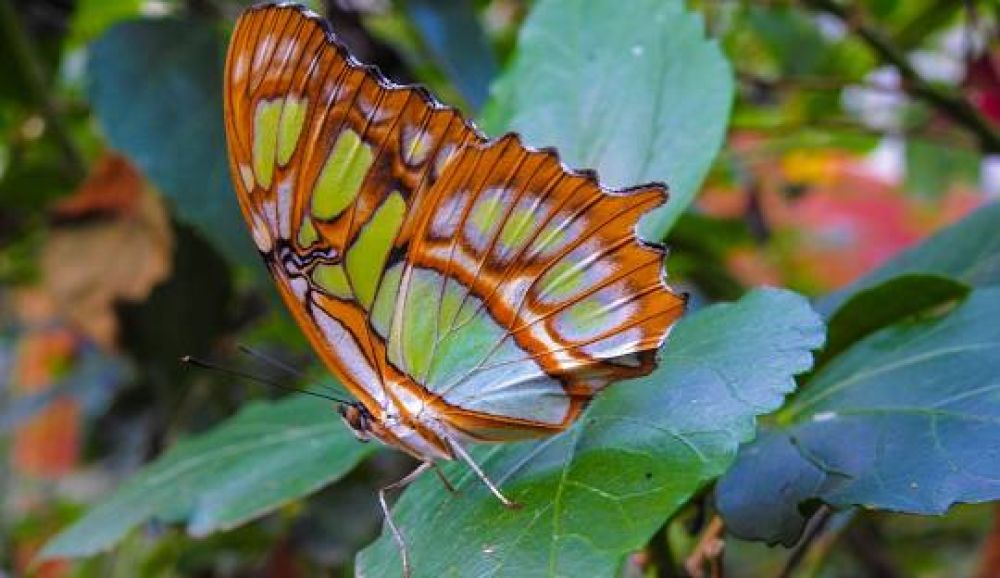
463	289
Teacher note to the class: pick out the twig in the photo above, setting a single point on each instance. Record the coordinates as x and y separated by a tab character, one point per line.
952	105
33	74
708	551
817	525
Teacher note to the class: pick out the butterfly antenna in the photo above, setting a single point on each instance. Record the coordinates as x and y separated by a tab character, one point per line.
197	362
273	362
278	364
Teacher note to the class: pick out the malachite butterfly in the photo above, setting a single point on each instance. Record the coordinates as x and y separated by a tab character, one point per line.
463	289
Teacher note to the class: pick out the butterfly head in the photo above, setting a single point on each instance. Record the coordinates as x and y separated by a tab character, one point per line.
358	419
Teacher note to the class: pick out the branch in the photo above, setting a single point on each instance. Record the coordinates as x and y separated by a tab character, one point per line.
952	105
24	53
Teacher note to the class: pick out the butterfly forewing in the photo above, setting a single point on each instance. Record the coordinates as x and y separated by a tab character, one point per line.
479	278
327	160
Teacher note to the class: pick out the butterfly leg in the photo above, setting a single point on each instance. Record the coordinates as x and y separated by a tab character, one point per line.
465	457
444	479
396	534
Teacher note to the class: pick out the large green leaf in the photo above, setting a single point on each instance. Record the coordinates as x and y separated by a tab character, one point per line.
907	419
170	122
637	93
922	400
646	446
267	455
764	495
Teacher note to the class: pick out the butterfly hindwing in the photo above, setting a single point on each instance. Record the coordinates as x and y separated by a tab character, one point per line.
543	294
424	262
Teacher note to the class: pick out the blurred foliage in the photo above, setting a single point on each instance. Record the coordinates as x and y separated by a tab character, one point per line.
859	145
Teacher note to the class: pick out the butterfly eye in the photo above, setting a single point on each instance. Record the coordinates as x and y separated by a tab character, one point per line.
357	419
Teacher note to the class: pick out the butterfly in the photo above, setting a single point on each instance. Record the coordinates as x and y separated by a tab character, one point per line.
462	289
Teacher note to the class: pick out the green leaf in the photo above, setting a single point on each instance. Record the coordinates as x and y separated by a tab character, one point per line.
928	390
968	251
267	455
907	420
170	123
638	94
876	307
458	43
601	489
761	497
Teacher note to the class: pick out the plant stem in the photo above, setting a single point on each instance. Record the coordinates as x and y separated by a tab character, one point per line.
948	103
32	71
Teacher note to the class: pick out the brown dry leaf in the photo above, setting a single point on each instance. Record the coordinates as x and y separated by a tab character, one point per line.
112	187
87	266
